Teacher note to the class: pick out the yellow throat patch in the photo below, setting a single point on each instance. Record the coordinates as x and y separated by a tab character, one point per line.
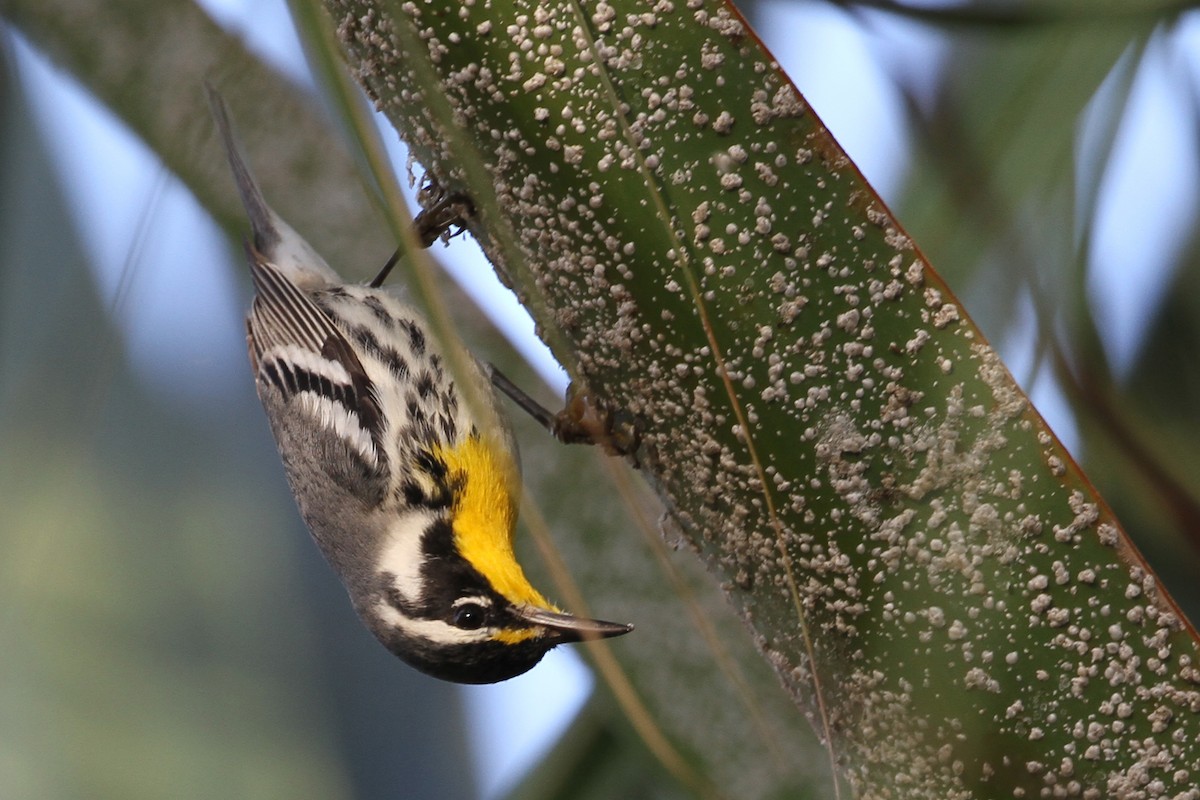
485	515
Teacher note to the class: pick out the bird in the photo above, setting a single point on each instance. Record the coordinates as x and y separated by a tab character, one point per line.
409	490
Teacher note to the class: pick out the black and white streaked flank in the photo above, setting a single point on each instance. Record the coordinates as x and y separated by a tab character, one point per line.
410	494
359	362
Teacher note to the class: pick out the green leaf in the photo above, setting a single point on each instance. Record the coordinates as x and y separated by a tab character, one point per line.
931	576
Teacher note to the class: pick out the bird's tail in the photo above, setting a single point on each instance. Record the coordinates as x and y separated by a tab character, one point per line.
272	238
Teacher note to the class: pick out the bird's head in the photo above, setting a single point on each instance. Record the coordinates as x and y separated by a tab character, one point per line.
456	621
449	596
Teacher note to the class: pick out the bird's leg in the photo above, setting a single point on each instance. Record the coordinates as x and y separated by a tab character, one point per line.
440	212
583	420
542	415
378	280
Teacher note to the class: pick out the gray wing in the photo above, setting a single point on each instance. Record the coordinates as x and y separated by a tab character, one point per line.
307	371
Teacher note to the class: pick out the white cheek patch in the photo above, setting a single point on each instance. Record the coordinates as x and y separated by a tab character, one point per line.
401	554
430	630
401	558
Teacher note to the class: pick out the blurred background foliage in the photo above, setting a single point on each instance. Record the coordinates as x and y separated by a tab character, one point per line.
166	629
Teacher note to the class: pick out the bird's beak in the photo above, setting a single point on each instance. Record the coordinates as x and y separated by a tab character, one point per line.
566	628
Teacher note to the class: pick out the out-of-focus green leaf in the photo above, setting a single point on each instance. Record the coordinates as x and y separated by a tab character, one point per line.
148	60
990	191
167	628
1141	435
118	606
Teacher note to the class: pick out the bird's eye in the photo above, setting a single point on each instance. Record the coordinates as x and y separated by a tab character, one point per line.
470	616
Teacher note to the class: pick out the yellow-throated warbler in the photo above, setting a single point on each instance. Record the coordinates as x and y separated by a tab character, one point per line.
410	493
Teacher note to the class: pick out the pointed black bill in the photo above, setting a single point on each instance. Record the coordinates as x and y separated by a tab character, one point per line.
566	628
